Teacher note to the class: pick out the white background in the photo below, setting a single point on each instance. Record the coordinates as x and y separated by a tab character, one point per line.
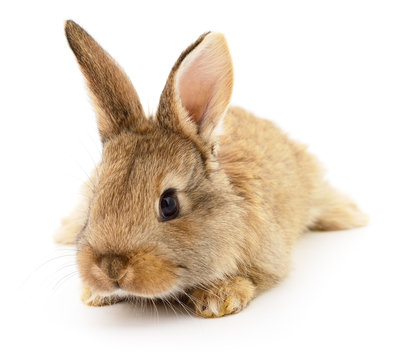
322	70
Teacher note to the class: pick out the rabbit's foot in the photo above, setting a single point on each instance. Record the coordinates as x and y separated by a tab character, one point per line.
91	299
226	297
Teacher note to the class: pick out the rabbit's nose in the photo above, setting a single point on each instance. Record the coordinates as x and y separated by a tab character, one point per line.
114	266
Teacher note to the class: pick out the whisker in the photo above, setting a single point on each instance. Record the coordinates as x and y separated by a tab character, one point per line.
183	306
193	299
99	150
42	265
94	162
209	292
64	279
155	307
170	305
163	303
65	266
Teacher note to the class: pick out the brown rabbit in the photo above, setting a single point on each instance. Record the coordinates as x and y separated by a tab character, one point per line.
200	200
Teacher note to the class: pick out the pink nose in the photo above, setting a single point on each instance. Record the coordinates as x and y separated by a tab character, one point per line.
114	266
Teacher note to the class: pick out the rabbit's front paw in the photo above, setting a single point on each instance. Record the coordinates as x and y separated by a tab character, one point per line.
226	297
91	299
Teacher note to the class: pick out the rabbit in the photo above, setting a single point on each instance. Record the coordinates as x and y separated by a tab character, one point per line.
201	201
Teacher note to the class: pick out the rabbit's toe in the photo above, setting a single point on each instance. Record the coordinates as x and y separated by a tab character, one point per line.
227	297
91	299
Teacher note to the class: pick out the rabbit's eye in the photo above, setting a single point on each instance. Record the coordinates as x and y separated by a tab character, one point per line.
169	205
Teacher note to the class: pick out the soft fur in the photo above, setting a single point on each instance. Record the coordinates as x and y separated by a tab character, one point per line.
246	191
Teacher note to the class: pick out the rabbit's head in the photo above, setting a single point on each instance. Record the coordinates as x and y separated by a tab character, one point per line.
163	216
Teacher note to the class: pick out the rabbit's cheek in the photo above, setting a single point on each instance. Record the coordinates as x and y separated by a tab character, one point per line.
149	275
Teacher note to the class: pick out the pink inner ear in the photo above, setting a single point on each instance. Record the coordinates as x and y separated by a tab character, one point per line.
204	84
196	86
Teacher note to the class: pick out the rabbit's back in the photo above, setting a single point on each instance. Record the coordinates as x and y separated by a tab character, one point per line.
275	174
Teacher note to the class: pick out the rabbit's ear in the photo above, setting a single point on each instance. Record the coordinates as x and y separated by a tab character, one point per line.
199	87
116	101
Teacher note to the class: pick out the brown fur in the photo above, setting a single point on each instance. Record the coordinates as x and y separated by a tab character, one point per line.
245	195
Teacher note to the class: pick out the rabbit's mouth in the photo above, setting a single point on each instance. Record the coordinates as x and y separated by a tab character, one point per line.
141	273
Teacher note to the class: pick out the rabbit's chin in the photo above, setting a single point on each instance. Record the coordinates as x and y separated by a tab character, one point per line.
125	294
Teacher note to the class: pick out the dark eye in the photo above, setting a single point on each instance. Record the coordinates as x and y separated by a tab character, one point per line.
169	205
